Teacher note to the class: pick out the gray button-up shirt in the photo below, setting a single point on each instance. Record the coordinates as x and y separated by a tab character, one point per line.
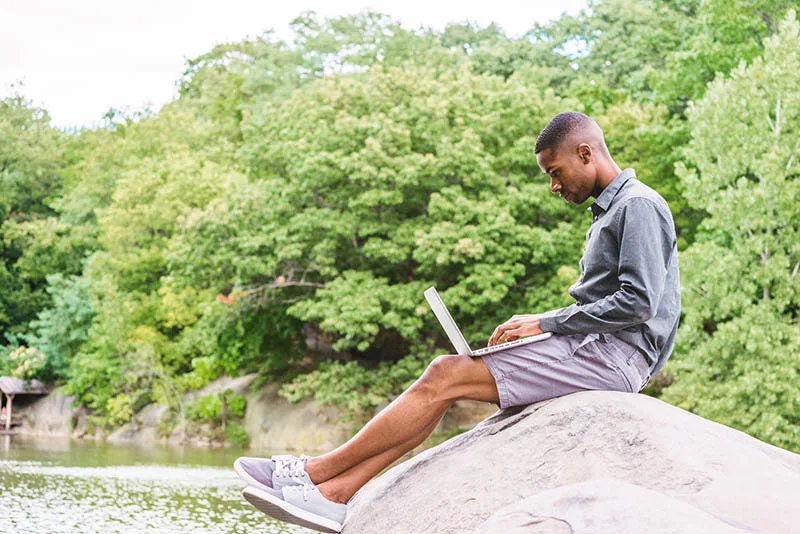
629	283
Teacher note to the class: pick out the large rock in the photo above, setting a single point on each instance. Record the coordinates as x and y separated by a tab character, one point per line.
588	462
50	415
276	426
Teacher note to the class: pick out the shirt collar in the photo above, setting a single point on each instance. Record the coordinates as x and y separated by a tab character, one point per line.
604	199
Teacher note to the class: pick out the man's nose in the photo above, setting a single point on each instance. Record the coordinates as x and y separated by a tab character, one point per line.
555	187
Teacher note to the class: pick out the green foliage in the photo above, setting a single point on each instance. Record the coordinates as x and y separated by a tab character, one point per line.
737	359
59	331
361	192
221	84
305	194
119	409
30	157
440	436
30	178
204	370
221	411
22	362
236	435
205	409
356	306
251	337
355	389
217	406
236	403
660	51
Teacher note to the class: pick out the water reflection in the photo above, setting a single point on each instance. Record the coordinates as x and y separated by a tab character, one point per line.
52	485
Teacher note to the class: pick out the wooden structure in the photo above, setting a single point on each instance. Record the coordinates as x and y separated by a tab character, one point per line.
10	387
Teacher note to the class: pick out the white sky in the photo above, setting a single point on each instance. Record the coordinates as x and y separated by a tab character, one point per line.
78	58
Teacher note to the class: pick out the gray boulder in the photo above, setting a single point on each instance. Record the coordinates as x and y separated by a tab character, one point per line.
588	462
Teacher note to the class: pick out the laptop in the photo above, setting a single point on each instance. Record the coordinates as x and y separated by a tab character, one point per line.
457	338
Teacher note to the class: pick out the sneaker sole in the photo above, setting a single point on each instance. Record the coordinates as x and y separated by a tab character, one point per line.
251	481
283	511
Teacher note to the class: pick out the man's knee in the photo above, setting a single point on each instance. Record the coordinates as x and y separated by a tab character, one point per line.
451	376
442	366
440	374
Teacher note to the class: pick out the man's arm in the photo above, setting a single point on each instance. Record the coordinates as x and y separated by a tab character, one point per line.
647	243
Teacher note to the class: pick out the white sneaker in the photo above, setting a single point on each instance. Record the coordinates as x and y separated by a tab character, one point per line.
256	472
301	505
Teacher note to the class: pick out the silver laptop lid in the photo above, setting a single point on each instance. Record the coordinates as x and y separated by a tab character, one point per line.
447	322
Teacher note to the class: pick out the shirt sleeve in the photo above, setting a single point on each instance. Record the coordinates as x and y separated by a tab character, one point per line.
646	246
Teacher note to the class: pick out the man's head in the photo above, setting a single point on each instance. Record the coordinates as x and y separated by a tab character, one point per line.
572	151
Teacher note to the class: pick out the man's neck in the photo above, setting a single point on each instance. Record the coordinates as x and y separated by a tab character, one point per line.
605	175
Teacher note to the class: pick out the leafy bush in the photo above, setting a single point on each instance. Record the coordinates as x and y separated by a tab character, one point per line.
236	435
220	409
22	362
119	409
205	409
236	404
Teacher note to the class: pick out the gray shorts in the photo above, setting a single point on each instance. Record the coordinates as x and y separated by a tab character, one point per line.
563	364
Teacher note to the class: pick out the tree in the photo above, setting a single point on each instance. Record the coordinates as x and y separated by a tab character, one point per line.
391	180
30	179
221	84
738	355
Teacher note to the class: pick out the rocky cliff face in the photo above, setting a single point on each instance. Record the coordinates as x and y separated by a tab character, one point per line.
272	423
51	415
593	462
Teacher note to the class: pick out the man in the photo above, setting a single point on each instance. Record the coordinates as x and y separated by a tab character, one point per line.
617	334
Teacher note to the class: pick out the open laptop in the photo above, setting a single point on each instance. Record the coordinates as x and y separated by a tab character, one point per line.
457	338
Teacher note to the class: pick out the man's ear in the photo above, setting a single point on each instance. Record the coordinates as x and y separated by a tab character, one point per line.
585	153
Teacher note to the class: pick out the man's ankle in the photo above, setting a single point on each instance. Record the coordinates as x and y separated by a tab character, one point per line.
312	469
329	491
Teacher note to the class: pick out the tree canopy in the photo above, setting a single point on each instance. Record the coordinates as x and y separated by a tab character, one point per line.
285	212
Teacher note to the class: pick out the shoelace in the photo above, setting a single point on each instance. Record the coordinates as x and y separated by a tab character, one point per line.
290	467
305	489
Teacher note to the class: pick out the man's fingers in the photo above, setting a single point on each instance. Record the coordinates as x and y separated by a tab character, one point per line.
494	335
511	323
497	333
516	327
508	334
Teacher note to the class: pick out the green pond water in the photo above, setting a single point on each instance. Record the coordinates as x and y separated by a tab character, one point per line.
58	485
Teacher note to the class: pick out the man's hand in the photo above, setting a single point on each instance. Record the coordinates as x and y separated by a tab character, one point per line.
516	327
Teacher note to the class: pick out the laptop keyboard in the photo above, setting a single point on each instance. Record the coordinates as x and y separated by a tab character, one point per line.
506	345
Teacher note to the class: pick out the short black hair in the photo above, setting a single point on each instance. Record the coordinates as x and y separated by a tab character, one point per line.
559	128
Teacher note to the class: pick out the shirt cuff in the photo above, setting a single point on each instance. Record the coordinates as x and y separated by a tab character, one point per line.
548	323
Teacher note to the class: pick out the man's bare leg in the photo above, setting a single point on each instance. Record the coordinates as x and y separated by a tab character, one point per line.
409	416
344	485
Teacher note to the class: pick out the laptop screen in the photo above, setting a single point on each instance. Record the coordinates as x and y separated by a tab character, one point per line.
447	322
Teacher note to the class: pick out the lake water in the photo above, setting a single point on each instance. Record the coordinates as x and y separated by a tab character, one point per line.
58	485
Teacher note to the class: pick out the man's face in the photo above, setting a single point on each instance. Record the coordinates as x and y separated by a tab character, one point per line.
571	175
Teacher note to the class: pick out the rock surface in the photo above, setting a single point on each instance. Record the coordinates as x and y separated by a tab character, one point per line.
273	424
592	462
51	415
277	426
